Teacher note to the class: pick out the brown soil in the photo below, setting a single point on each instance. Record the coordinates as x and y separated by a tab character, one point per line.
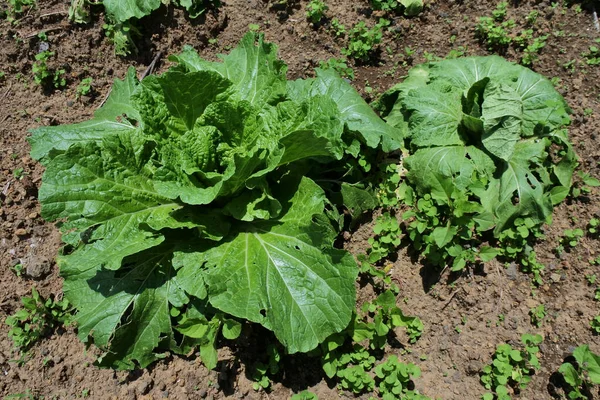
463	317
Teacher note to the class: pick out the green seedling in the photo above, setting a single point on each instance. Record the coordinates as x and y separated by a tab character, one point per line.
593	227
364	41
304	395
262	371
571	237
584	184
386	239
43	75
592	55
595	325
338	28
37	318
394	377
532	17
537	315
16	8
18	269
84	88
121	36
315	11
339	65
512	367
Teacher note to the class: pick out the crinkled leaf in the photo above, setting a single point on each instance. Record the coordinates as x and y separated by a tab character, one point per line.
257	75
503	111
354	111
436	113
510	114
105	200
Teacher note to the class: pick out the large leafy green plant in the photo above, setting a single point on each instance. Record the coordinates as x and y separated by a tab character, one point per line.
191	196
488	150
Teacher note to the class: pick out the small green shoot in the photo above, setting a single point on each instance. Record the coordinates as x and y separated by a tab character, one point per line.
339	65
304	395
512	367
386	239
84	88
262	371
364	41
583	185
537	315
571	237
394	378
593	227
595	325
315	11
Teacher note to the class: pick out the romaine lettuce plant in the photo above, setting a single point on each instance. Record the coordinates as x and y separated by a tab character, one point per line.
192	200
488	151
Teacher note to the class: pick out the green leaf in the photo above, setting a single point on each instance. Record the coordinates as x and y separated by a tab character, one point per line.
126	311
124	10
435	114
105	200
231	329
256	73
487	253
570	375
357	200
442	235
355	113
281	277
503	113
113	118
412	7
589	362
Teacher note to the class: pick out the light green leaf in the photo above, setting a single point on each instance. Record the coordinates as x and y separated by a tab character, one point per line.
503	110
231	329
588	361
257	75
355	113
487	253
105	200
124	10
436	113
412	7
442	235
